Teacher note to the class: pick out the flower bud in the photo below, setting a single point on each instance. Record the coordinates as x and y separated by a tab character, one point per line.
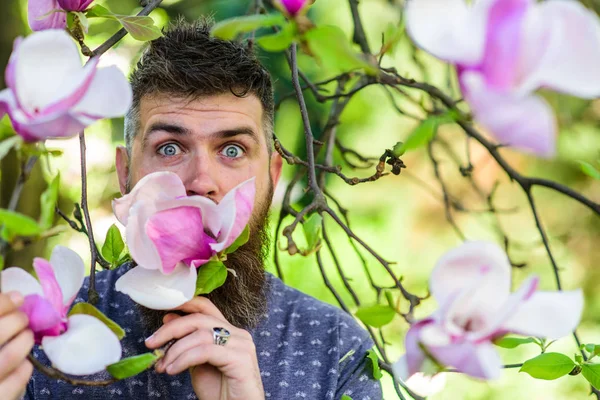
74	5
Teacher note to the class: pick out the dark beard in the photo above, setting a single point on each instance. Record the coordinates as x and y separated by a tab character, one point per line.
243	298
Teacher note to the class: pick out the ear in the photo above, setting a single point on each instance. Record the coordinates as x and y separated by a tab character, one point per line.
122	163
275	167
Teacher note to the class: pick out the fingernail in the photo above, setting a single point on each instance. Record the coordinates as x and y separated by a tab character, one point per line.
16	298
170	368
150	338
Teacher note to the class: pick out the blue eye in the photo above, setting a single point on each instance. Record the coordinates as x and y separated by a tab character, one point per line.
232	151
169	149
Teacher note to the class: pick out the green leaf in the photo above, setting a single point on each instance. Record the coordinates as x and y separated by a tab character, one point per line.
140	27
424	132
88	309
376	316
372	355
83	21
8	144
1	262
389	297
131	366
591	372
48	201
591	348
230	28
16	224
98	11
331	47
312	230
345	397
589	169
392	35
210	276
548	366
113	245
278	41
240	241
512	342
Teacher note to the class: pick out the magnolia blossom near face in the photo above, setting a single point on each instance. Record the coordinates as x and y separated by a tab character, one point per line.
472	287
47	302
50	94
504	50
50	14
170	235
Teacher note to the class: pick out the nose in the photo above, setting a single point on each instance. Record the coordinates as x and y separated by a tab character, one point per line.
202	179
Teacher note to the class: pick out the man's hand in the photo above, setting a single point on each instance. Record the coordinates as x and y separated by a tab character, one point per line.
16	342
228	372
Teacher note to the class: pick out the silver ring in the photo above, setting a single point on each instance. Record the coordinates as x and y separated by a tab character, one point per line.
220	336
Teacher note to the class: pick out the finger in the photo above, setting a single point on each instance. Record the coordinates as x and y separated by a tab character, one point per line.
16	383
202	305
199	338
230	362
183	326
12	324
9	302
15	352
170	317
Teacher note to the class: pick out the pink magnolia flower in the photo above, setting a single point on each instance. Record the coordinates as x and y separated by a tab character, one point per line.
51	95
170	235
293	7
51	14
505	50
472	286
47	302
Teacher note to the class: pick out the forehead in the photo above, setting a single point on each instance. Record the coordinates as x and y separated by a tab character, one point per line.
203	114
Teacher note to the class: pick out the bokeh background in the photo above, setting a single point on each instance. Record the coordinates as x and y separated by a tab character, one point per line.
402	217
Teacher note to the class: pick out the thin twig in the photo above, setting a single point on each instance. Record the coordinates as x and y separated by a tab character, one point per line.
92	294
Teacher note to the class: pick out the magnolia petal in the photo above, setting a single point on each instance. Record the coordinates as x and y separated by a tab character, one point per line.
178	235
235	210
154	290
108	96
425	385
140	246
18	280
479	360
37	9
63	79
9	73
52	291
87	346
55	126
414	354
44	318
7	102
293	6
497	317
69	271
554	53
74	5
449	29
525	123
151	188
503	38
461	266
547	314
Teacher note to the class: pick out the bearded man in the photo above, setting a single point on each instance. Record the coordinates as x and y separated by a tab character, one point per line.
203	109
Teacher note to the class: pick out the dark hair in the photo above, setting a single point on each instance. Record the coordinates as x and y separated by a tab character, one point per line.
187	62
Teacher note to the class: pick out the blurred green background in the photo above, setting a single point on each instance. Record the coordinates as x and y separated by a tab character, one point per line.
402	217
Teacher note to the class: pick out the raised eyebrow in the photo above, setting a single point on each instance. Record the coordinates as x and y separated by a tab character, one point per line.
164	127
230	133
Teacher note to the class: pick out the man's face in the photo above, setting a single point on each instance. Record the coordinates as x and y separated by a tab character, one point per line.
212	144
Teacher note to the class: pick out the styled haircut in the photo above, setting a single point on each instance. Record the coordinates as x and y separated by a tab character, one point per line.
188	63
